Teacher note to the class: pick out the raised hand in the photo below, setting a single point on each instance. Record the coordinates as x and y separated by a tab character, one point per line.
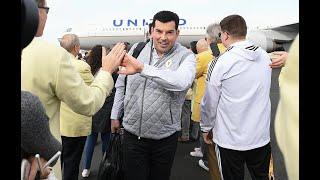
112	61
278	59
131	65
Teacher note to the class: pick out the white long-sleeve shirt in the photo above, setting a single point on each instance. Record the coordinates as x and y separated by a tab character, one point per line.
178	80
236	103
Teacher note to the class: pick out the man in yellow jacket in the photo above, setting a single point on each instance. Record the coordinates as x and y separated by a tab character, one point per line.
74	127
47	72
287	117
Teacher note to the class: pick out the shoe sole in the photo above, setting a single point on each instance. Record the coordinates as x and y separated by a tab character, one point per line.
196	156
203	166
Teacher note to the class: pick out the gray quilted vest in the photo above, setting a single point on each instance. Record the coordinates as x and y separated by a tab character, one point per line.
151	111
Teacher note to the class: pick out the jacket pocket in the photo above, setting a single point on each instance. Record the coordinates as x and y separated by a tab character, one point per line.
170	112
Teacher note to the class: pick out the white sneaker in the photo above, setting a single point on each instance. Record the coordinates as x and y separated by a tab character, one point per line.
85	173
196	153
197	149
201	164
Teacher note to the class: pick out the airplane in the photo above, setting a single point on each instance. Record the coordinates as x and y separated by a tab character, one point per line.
132	30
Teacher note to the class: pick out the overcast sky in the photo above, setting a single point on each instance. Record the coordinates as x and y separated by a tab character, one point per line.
257	13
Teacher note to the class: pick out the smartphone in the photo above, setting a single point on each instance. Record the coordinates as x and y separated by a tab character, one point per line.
55	157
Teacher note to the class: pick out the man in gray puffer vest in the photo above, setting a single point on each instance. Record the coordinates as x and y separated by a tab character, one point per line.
154	94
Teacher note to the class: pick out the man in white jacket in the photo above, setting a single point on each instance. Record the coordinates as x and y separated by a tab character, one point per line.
236	104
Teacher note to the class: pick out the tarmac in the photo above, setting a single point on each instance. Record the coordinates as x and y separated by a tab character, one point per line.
185	167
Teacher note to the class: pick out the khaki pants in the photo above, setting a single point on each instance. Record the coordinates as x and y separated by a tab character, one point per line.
213	163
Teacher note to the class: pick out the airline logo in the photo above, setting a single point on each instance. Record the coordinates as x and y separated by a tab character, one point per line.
138	22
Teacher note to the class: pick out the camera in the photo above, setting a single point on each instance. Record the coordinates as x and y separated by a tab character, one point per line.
29	21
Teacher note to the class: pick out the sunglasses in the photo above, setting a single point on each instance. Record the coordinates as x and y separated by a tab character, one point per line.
46	8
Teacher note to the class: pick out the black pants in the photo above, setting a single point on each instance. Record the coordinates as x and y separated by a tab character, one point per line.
148	159
72	148
257	161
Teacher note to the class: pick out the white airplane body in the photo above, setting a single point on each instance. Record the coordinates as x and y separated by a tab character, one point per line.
135	30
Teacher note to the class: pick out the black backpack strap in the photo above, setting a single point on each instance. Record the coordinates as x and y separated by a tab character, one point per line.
138	49
135	54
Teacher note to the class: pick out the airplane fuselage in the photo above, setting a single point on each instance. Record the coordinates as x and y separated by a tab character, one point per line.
136	30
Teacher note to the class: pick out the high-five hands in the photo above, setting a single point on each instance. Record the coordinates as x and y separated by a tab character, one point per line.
130	65
112	61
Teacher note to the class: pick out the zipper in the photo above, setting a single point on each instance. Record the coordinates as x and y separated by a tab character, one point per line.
144	87
170	112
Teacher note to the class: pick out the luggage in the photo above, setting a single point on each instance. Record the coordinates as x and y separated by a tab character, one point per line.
111	166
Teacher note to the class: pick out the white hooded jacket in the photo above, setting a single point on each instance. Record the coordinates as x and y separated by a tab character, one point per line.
236	103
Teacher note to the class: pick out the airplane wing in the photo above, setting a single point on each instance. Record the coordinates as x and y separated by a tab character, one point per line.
275	38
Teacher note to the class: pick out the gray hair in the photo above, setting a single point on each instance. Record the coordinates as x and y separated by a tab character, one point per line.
213	31
69	41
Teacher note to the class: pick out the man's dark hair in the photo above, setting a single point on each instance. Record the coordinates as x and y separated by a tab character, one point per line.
149	26
235	25
166	16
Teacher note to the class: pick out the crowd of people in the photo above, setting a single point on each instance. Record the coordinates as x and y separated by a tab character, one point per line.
216	94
